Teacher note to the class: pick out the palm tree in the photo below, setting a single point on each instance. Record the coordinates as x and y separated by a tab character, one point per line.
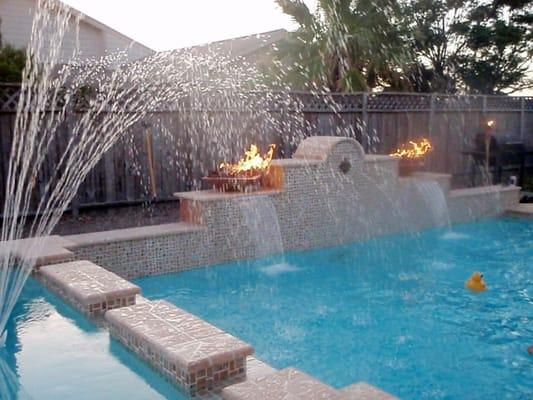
345	45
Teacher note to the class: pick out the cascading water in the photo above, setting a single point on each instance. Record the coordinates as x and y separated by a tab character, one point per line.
435	200
261	218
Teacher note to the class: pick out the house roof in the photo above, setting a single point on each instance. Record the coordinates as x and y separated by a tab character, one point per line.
99	25
245	45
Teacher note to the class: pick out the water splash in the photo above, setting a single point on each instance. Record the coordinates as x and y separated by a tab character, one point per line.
274	270
94	104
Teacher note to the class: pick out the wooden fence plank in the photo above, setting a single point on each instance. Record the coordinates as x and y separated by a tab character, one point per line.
187	144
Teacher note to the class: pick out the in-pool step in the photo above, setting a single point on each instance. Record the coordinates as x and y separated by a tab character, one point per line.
293	384
288	383
186	349
90	288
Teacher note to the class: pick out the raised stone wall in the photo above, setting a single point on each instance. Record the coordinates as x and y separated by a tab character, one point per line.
330	193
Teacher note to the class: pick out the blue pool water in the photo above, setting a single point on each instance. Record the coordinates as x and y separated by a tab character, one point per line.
391	311
53	352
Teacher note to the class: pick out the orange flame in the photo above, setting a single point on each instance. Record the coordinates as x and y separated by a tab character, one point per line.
252	162
415	150
490	123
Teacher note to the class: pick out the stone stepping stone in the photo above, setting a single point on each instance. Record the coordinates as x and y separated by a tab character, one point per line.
365	391
287	384
187	350
89	287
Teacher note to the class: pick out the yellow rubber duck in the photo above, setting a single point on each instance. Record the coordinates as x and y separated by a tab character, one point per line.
476	283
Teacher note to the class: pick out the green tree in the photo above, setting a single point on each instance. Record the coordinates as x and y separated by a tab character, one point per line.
344	45
433	42
499	47
472	46
12	63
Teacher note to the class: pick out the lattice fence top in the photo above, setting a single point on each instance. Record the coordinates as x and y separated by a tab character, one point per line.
324	102
9	96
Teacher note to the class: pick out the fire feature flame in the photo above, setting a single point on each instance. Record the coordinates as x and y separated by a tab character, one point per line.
490	123
253	162
413	150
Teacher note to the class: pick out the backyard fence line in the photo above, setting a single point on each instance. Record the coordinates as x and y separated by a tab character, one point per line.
184	148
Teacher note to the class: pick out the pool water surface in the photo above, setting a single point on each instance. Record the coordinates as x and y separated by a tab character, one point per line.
53	352
392	311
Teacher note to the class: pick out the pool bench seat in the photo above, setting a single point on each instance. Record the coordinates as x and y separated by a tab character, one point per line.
89	287
187	350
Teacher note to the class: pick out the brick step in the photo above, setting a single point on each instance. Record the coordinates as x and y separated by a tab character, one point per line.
190	352
286	384
89	287
293	384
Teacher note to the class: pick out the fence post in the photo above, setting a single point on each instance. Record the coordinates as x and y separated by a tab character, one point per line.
75	203
522	118
431	115
365	121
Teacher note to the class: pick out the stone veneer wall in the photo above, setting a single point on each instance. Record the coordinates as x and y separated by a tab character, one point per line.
330	193
135	258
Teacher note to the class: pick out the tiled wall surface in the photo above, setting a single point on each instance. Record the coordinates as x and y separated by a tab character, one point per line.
329	194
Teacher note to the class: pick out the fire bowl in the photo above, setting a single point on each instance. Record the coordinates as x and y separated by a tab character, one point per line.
234	183
409	165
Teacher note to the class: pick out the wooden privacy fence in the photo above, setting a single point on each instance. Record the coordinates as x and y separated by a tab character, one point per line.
181	143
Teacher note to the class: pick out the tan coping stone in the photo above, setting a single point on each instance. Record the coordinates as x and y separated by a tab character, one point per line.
380	158
295	163
87	283
39	250
122	235
482	190
521	210
365	391
430	175
287	384
215	195
182	338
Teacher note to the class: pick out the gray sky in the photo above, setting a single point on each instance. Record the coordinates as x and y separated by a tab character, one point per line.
171	24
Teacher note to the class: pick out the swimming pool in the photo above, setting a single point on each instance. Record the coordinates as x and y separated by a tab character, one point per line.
53	352
392	311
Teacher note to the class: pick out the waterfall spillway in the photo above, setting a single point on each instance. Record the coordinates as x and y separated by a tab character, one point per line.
435	200
261	219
